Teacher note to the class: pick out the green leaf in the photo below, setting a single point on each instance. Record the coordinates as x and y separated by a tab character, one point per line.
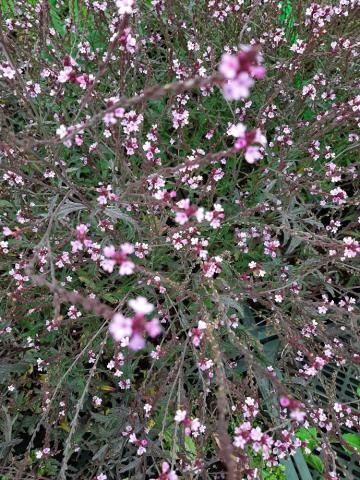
76	11
358	390
285	10
308	114
55	18
190	445
352	439
88	282
109	298
309	434
8	6
9	369
298	81
315	462
5	203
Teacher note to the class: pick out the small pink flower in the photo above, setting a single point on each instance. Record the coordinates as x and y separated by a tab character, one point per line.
212	266
126	268
351	247
238	72
184	211
167	473
108	265
252	141
137	342
181	218
7	231
284	402
109	251
256	434
238	88
339	195
252	154
115	257
229	66
120	327
153	328
135	327
215	216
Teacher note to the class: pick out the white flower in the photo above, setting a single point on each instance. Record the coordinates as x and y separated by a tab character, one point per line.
102	476
124	6
61	131
237	131
180	416
147	407
141	306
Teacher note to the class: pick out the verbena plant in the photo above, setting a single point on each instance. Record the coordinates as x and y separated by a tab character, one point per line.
179	186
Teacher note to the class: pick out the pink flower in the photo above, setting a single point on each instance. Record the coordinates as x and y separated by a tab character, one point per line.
298	415
118	257
127	40
135	327
284	402
62	131
108	265
81	230
238	88
239	442
180	118
270	247
197	334
229	66
212	266
247	140
65	75
238	72
84	80
7	231
106	195
166	473
351	247
185	211
215	216
137	342
237	131
81	240
120	327
252	154
13	178
165	470
339	195
153	328
181	218
256	434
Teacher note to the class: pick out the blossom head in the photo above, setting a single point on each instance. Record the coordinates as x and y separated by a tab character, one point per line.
239	71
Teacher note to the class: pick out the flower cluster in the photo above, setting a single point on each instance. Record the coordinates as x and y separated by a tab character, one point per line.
239	71
131	330
179	238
